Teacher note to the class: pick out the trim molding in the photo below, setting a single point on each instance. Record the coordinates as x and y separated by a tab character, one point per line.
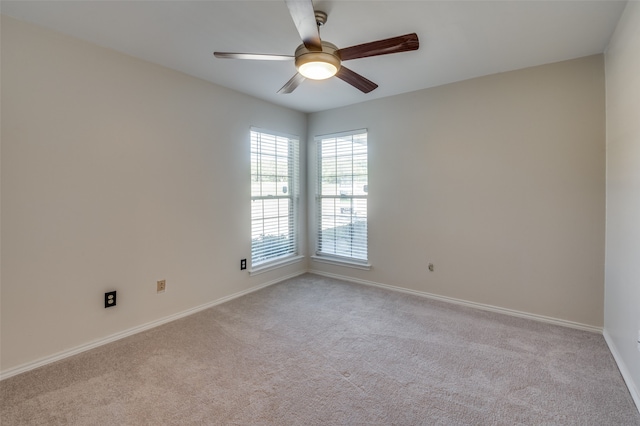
23	368
138	329
624	371
484	307
340	262
275	265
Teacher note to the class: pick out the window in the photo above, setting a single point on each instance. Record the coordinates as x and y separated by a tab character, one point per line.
274	192
342	196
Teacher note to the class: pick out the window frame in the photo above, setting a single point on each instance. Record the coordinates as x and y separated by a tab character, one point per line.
335	256
292	194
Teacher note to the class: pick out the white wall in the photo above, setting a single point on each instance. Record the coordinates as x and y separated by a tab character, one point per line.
117	173
622	279
499	181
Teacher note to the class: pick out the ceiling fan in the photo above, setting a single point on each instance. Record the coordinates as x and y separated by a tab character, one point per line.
319	60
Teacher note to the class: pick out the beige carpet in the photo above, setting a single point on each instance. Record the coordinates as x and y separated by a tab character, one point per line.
317	351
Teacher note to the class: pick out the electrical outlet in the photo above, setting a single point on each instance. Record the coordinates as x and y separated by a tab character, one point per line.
431	267
162	286
110	299
243	264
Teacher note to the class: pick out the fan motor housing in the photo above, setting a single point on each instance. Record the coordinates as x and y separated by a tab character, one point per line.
327	55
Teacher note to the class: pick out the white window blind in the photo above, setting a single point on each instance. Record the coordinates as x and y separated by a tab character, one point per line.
342	195
274	192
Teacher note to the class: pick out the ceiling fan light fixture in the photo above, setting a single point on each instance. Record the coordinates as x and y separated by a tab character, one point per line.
317	65
317	70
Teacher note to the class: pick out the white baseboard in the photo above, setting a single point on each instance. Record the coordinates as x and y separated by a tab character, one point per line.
624	371
121	335
117	336
482	306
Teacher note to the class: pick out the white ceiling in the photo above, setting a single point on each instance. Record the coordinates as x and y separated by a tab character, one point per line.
458	39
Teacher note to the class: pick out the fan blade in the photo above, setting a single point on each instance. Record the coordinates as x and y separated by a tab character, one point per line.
355	79
291	85
253	56
398	44
304	19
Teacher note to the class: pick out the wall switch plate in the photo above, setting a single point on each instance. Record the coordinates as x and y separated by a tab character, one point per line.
243	264
110	299
161	286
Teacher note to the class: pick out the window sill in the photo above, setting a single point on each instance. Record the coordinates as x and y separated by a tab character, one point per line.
269	266
342	262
